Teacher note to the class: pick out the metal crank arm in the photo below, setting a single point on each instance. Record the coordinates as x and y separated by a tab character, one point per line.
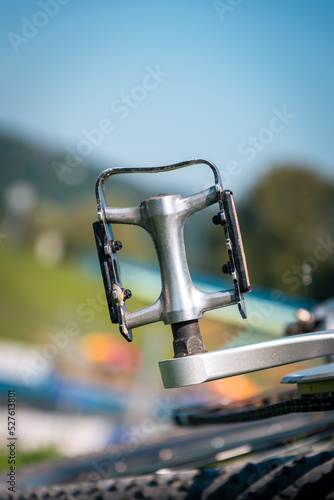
244	359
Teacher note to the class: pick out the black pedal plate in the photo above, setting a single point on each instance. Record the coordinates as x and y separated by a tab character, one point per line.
236	241
106	271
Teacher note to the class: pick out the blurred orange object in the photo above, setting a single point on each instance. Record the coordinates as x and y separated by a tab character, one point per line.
234	388
105	348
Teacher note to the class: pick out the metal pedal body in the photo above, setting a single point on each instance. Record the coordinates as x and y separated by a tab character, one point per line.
180	304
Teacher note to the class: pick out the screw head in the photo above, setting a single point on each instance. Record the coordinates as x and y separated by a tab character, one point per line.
216	220
227	268
117	245
127	294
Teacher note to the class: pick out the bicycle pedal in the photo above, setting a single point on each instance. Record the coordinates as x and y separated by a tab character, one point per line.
181	304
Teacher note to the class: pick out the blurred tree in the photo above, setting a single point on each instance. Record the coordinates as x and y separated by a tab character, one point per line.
67	205
287	223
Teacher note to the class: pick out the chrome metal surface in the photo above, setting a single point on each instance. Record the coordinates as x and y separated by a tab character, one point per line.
99	187
316	373
214	365
164	217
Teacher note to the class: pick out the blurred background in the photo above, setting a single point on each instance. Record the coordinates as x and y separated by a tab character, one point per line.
90	85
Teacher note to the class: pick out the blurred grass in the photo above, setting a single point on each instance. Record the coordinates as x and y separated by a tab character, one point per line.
24	457
35	300
30	294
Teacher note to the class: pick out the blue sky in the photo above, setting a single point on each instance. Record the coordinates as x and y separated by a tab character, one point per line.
223	72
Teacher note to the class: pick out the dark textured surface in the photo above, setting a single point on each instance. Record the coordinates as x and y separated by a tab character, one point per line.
182	448
302	476
187	339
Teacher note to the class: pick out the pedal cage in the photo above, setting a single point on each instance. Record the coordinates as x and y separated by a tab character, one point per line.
115	293
236	266
163	217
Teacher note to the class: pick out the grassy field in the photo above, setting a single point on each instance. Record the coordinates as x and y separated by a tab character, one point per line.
25	457
35	300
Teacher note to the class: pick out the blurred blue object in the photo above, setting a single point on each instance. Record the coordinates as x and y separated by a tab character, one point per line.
56	392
